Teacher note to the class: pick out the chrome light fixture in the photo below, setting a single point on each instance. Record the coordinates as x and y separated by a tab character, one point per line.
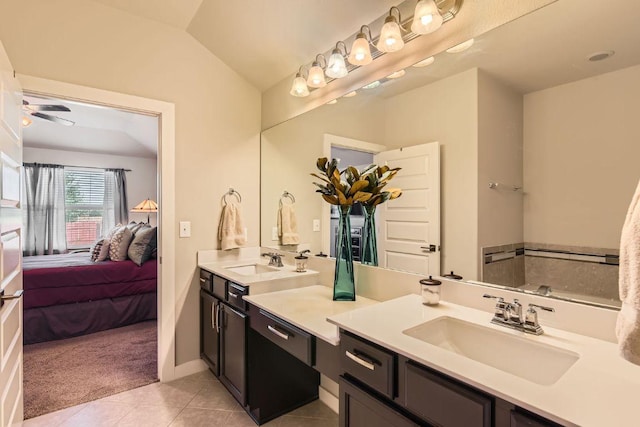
360	50
426	18
316	73
299	87
337	68
390	36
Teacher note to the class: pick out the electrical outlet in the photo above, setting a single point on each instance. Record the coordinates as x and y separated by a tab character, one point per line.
316	225
185	228
274	233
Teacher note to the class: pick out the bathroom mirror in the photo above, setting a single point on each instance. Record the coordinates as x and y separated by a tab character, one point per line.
538	130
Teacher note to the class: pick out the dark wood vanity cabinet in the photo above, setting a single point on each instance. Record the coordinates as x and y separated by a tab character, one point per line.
379	387
233	352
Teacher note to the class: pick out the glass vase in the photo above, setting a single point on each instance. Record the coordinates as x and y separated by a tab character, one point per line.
344	287
369	247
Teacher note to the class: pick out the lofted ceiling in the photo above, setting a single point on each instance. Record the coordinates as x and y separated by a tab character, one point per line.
97	129
262	40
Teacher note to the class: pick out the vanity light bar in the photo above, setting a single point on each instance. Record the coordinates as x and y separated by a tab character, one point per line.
427	17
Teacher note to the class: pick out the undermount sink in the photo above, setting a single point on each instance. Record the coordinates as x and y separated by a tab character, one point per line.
521	356
251	269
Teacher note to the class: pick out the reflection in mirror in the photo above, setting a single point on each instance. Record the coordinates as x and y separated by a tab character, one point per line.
534	104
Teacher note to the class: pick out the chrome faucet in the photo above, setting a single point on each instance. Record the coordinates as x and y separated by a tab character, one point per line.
509	314
276	259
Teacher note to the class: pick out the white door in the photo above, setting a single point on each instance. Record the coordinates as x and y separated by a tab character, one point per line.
11	411
409	226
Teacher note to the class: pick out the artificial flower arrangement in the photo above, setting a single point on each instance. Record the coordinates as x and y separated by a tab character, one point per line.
366	187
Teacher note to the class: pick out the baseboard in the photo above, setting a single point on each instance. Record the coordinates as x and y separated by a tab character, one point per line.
190	368
329	399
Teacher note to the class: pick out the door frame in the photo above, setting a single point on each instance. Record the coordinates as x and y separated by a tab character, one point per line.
165	111
329	141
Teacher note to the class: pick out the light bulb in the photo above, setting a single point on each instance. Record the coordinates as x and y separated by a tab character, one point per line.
360	51
390	37
426	18
299	87
336	68
316	76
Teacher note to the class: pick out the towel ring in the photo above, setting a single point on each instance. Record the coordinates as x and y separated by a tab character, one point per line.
231	192
287	195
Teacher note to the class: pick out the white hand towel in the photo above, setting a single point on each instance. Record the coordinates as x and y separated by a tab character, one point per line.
628	324
231	229
288	224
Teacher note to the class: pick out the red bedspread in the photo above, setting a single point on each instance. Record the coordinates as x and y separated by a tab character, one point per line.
53	285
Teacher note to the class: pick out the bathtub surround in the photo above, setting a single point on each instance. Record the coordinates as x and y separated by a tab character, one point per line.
628	325
584	273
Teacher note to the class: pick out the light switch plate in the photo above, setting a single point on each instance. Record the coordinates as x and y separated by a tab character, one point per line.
185	228
316	225
274	233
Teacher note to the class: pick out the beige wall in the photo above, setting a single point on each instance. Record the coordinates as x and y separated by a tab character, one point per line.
500	124
446	111
581	143
217	112
142	181
289	154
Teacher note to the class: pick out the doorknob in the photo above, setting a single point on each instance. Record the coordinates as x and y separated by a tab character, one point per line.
3	298
430	248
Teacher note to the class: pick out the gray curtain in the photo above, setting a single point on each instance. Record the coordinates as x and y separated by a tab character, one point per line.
116	210
43	209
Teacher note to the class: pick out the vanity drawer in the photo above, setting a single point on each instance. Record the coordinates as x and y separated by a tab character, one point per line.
290	338
235	292
206	279
369	363
442	401
219	287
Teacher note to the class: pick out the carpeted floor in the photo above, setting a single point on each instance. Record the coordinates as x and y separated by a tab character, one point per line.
64	373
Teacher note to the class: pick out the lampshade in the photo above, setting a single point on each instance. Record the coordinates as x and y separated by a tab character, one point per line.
336	68
316	76
426	18
360	51
299	87
390	37
146	206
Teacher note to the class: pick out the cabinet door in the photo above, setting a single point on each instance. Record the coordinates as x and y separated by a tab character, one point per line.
360	409
519	419
233	338
209	336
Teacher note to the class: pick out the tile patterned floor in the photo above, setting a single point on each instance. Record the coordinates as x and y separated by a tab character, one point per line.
197	400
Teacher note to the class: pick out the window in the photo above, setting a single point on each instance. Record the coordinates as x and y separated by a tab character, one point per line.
84	194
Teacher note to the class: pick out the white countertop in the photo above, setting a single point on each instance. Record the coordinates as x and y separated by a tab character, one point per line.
600	389
284	278
308	308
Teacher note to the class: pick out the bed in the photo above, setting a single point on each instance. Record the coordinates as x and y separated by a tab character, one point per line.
70	295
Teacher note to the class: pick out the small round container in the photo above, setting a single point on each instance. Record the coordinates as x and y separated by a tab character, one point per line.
430	291
301	263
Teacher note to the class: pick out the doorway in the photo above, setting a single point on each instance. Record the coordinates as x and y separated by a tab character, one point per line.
165	112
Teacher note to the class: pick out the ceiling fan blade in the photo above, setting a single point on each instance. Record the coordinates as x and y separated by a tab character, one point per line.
48	108
54	119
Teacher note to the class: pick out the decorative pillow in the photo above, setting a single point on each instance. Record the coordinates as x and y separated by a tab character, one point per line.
111	232
143	244
135	226
120	244
100	251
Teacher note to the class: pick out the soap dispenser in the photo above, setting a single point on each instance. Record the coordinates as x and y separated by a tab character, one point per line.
301	261
430	291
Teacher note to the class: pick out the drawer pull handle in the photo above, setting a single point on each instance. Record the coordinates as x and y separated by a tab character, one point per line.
360	361
202	280
232	295
278	333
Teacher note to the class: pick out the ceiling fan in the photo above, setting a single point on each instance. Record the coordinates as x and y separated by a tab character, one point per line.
36	111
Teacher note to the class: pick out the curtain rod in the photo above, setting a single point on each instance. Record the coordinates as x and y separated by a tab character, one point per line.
79	167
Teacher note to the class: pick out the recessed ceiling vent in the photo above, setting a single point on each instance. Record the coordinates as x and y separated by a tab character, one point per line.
600	56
